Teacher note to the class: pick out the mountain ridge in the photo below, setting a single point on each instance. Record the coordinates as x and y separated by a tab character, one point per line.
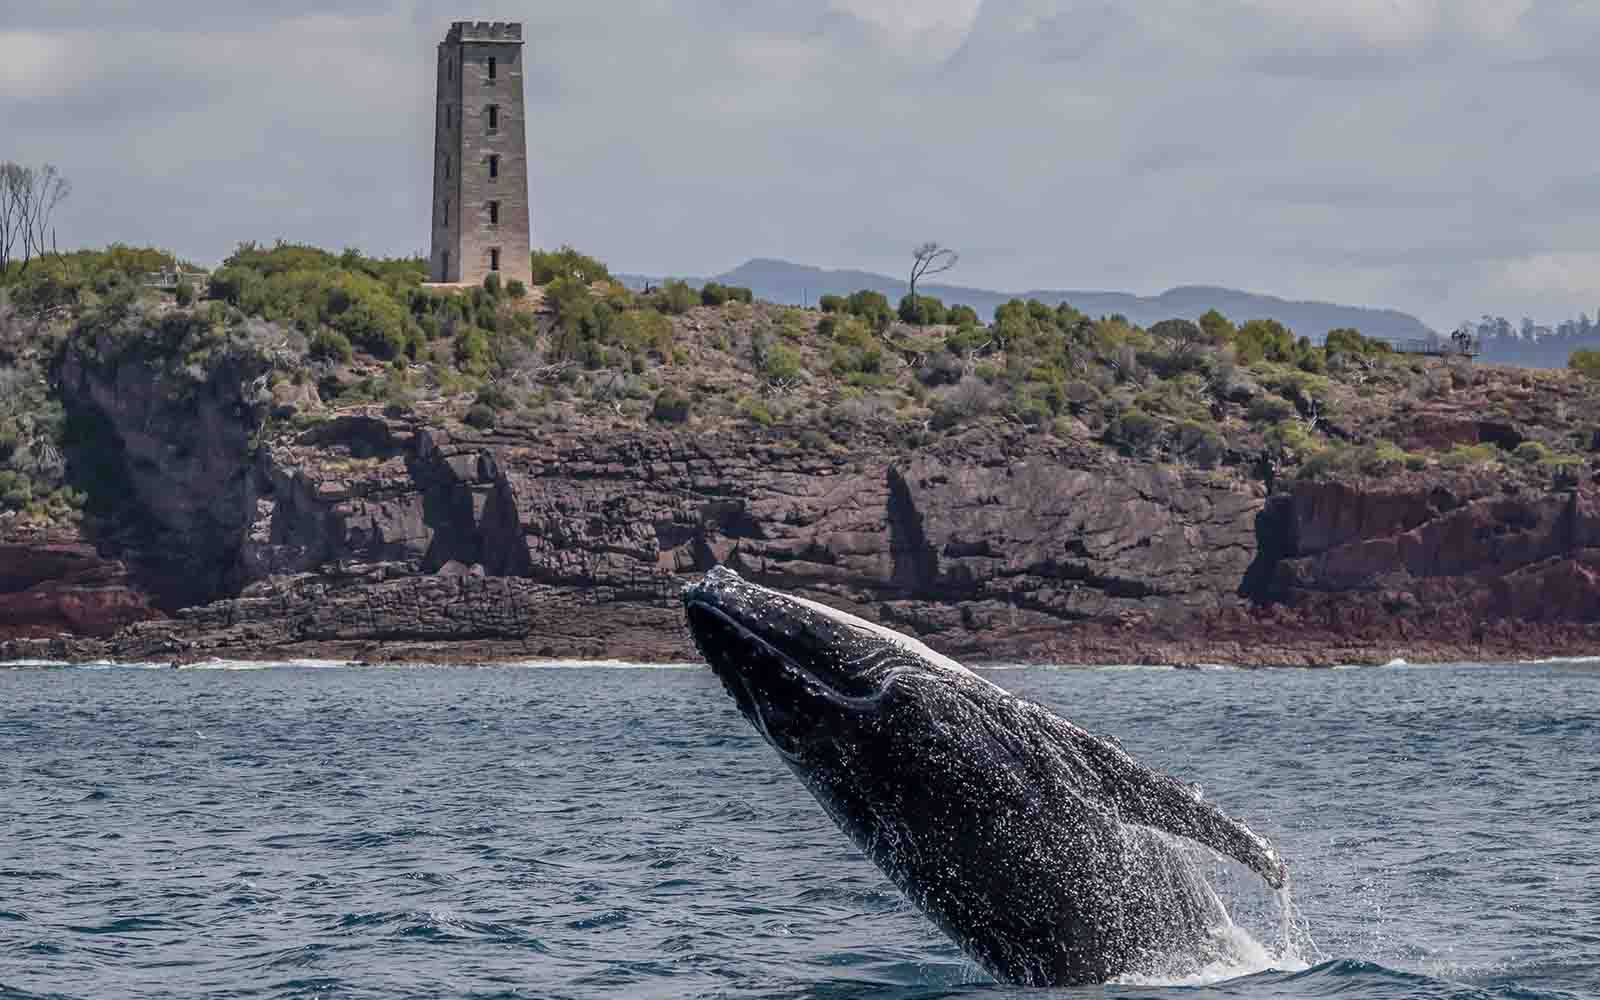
788	283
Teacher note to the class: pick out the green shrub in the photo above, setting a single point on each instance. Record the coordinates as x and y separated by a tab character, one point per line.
833	304
959	315
472	352
1200	444
717	294
757	411
671	406
1134	430
1292	439
1347	341
549	265
481	416
1030	409
967	339
676	298
1531	453
872	307
855	348
1466	455
1585	362
924	310
1265	340
16	490
1269	409
773	360
491	284
1216	328
516	289
185	292
1382	458
1328	462
496	398
330	345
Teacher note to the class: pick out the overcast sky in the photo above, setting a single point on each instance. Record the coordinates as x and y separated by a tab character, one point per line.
1438	156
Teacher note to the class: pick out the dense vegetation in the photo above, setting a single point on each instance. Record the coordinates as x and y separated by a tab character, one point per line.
341	330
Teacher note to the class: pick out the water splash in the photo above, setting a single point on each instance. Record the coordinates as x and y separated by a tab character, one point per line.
1277	938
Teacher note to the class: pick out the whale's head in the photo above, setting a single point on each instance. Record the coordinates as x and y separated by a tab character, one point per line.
803	674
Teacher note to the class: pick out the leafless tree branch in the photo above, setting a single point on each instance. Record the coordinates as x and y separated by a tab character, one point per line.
11	214
930	258
30	196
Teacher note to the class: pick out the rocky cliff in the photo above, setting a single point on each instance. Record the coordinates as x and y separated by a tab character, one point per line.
186	482
380	536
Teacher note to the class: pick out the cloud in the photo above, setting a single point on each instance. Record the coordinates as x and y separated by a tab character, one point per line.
1428	154
1568	275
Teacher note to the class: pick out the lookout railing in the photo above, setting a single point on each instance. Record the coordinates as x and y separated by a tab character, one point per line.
1440	347
170	280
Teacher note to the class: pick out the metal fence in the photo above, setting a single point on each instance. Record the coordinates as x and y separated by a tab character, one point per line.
170	280
1440	347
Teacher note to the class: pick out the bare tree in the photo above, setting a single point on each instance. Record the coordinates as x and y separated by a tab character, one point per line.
931	258
49	189
11	186
30	196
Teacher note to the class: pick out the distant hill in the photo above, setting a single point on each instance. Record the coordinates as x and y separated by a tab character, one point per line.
798	284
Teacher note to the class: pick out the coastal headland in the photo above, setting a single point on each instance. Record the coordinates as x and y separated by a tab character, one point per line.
316	456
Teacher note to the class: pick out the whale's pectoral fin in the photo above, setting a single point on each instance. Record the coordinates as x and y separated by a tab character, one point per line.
1149	798
1165	803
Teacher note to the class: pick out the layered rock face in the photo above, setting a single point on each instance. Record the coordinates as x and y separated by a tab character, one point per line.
51	585
368	536
374	530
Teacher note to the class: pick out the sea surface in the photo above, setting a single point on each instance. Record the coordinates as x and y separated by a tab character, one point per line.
604	831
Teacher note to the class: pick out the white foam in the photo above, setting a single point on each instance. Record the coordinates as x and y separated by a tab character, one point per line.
596	665
1237	953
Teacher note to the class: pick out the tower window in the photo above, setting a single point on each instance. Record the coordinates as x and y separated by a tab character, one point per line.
494	117
494	213
494	259
494	167
492	67
444	270
449	70
447	213
447	116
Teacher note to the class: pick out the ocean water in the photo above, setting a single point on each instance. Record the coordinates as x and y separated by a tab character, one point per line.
299	831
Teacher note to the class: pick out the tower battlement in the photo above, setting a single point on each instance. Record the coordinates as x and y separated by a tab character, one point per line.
485	31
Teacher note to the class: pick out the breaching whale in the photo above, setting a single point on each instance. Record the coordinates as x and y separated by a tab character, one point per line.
1044	851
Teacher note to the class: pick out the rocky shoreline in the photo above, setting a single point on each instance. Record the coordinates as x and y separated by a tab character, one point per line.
1248	638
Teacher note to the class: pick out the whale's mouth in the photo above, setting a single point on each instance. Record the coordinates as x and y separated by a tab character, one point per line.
780	695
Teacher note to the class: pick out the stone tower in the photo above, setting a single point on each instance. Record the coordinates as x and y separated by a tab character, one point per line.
480	156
